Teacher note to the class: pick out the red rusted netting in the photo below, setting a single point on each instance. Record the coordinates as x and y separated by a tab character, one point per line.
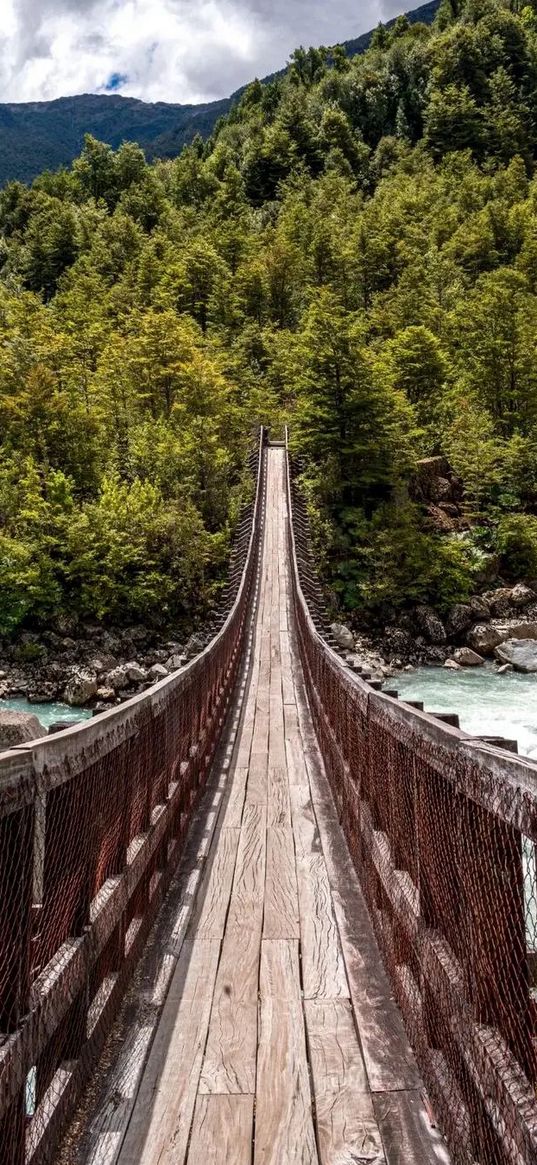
442	829
92	825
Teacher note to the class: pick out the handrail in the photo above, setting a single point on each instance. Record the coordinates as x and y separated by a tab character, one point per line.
92	826
442	829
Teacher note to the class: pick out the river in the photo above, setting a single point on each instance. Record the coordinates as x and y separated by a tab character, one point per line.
488	704
47	713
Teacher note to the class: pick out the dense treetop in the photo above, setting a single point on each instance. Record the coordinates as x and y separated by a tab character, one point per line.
355	250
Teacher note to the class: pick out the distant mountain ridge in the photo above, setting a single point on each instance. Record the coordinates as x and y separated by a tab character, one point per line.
44	135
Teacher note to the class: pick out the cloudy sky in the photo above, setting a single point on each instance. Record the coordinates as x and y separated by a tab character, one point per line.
164	50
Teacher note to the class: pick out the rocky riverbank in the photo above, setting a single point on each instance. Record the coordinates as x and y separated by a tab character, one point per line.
88	666
499	625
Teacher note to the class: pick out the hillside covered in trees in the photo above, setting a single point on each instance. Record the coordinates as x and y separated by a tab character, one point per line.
44	135
355	251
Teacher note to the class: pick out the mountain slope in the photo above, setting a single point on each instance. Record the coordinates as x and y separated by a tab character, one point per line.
44	135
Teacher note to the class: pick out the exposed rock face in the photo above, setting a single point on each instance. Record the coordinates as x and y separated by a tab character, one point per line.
484	639
19	728
522	596
343	636
81	688
430	624
521	653
460	618
468	658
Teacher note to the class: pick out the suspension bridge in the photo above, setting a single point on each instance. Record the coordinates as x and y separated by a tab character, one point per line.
266	914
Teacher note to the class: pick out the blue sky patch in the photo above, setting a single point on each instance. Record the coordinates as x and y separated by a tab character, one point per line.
115	81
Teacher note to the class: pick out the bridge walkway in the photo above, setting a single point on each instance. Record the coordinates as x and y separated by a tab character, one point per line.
279	1042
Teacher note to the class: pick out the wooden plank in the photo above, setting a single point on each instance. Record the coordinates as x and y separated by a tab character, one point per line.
284	1133
323	965
222	1131
230	1059
281	894
279	804
235	801
407	1133
209	917
347	1131
160	1124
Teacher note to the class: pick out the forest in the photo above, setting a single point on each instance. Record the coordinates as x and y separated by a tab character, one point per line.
353	252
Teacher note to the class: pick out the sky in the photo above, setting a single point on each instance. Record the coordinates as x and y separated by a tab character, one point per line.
164	50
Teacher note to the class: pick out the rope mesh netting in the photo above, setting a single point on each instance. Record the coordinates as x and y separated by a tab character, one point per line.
92	827
442	830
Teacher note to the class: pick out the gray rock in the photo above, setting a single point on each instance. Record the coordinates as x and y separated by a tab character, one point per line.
483	639
343	636
44	693
117	678
19	728
81	688
480	607
195	645
460	618
499	601
506	667
522	596
175	662
135	674
430	624
452	665
521	653
158	671
468	658
516	630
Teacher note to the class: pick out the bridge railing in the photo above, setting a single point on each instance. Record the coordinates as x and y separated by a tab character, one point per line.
442	829
92	826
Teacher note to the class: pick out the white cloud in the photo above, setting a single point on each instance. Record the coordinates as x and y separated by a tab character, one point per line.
169	50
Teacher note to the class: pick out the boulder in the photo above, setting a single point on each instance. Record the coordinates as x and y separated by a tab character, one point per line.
430	624
506	667
106	694
483	639
460	618
343	636
19	728
522	596
135	673
452	665
42	693
515	630
81	688
499	602
479	607
158	672
468	658
117	678
195	645
521	653
174	663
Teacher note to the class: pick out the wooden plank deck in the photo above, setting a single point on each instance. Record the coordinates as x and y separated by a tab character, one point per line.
279	1042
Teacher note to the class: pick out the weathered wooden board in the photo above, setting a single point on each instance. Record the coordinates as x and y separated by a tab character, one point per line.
160	1124
222	1131
281	895
284	1133
346	1127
